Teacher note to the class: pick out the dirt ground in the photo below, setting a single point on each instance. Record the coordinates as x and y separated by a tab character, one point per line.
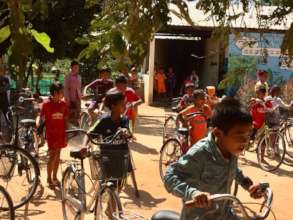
153	196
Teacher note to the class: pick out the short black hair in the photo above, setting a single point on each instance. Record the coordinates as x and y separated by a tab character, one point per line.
261	88
229	113
113	97
199	94
121	79
74	62
55	87
275	89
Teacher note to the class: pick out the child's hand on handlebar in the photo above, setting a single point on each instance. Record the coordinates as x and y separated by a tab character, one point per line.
201	200
255	191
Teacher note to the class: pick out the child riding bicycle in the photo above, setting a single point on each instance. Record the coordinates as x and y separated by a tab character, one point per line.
210	166
198	123
187	99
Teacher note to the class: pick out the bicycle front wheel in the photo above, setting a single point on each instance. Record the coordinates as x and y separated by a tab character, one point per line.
288	135
15	166
6	205
70	195
170	153
170	128
271	151
107	204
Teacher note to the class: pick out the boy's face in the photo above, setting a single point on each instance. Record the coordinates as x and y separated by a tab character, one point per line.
58	96
75	69
104	75
119	108
235	140
199	102
263	78
260	94
189	91
121	87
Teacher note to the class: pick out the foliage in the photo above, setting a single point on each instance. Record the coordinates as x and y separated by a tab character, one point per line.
287	91
240	68
246	91
121	32
225	12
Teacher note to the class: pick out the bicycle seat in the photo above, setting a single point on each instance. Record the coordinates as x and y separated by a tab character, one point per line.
175	109
183	131
166	215
28	122
78	153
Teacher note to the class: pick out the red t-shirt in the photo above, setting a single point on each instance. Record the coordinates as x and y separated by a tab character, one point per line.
131	96
55	115
258	112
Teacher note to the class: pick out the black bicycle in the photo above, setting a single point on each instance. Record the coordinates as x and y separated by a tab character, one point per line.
19	171
6	205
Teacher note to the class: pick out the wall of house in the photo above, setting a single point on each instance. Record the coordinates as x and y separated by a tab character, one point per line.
253	44
210	73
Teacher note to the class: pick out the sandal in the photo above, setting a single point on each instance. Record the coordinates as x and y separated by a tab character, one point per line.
56	182
51	185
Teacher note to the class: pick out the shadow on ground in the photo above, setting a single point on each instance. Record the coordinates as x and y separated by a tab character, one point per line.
145	201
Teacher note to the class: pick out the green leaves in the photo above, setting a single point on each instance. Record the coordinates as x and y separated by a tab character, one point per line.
4	33
43	39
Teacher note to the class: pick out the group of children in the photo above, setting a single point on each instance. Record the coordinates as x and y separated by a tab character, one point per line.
55	114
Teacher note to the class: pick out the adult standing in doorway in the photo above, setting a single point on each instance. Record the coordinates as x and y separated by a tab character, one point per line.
72	93
171	82
194	79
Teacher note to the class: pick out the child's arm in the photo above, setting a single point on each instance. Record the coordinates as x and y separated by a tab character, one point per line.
189	167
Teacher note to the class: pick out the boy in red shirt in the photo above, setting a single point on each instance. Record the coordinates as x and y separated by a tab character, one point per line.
258	109
198	123
55	113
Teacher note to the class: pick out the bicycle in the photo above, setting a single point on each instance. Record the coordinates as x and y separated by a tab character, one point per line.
102	192
232	203
19	171
6	205
271	149
286	129
175	146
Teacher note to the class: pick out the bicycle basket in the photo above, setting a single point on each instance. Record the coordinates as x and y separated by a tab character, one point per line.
6	164
112	160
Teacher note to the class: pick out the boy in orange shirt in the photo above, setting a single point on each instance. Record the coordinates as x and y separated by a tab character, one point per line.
198	123
161	83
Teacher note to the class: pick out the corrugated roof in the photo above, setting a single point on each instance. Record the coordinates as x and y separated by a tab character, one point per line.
249	20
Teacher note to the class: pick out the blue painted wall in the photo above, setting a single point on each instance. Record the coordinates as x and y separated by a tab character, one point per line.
268	40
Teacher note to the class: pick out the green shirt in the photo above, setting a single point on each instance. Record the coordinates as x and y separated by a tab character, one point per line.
202	169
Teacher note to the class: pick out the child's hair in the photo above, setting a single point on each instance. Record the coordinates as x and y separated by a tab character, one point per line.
261	73
199	94
74	62
229	113
121	79
275	89
113	98
261	88
55	87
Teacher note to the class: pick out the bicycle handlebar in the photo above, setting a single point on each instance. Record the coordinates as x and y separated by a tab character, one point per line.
265	208
21	99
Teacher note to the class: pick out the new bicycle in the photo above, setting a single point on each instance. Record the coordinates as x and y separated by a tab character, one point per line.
103	183
19	171
233	209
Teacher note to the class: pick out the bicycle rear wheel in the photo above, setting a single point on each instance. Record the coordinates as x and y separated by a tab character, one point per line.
288	135
6	205
170	152
15	166
271	151
69	193
170	128
107	204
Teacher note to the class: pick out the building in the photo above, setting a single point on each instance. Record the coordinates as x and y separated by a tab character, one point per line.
186	48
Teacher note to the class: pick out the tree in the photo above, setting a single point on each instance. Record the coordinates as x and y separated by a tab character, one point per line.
223	12
16	29
121	32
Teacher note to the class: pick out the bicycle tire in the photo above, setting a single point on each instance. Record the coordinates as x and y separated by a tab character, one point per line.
9	151
177	150
168	132
102	199
30	146
84	121
64	197
263	151
288	135
8	200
